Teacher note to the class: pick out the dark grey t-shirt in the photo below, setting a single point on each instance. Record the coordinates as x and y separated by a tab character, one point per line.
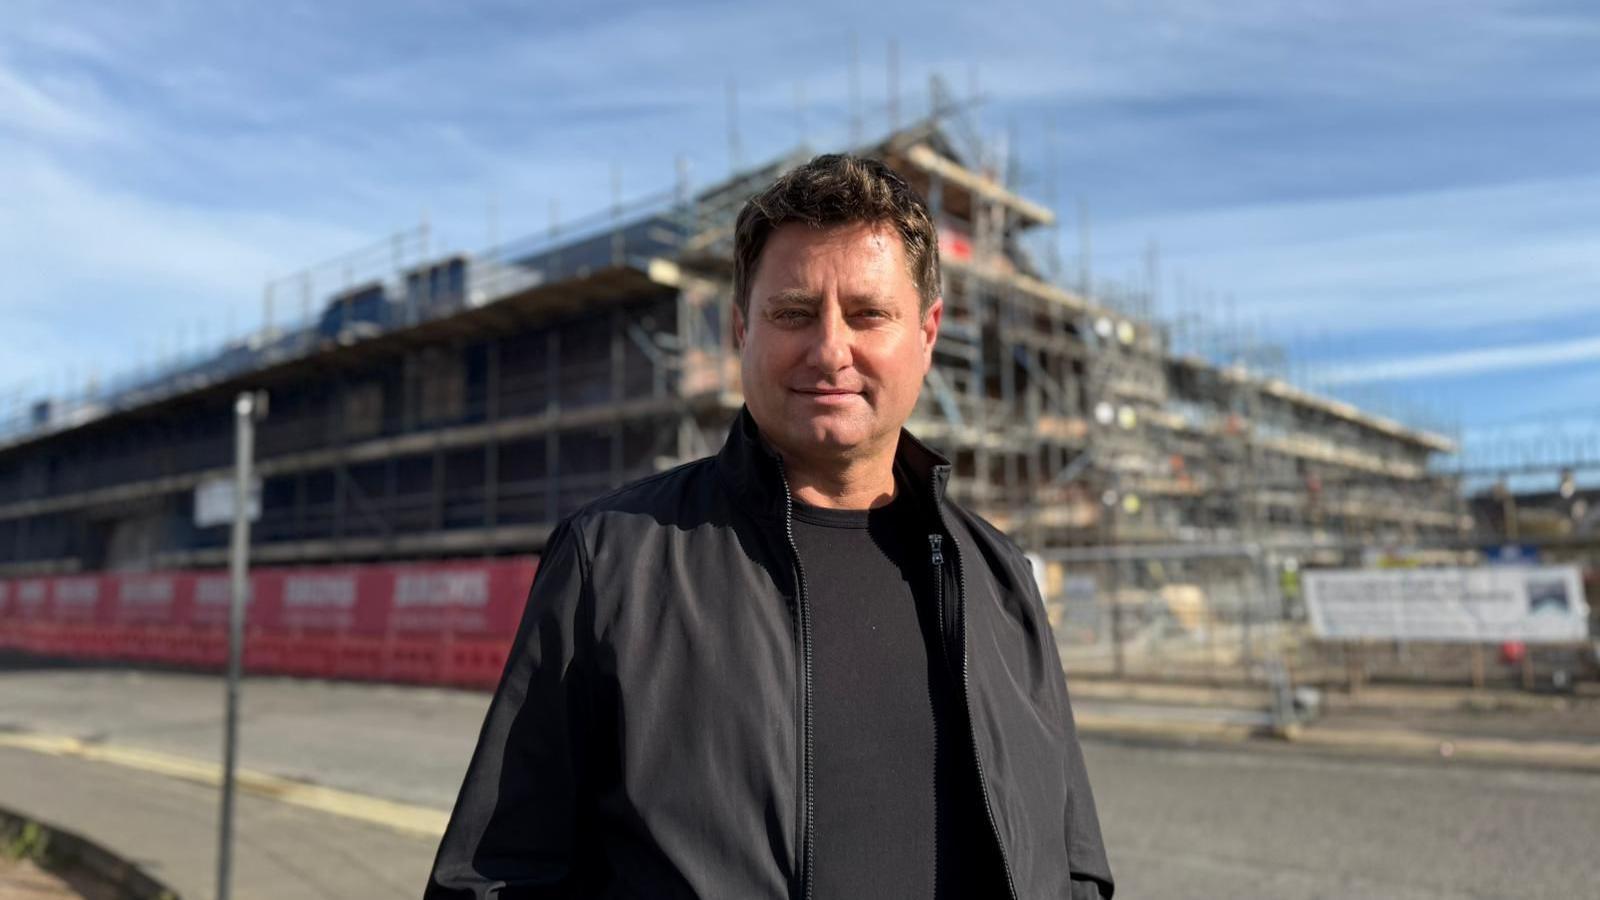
898	809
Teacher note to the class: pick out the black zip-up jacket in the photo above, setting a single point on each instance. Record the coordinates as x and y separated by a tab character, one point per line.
652	734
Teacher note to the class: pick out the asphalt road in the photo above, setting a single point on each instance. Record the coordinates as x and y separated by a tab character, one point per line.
1179	823
1291	826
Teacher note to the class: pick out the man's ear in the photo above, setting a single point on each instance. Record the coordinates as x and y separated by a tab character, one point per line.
930	331
738	327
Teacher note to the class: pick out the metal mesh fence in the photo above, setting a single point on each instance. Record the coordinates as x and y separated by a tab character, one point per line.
1183	612
1234	614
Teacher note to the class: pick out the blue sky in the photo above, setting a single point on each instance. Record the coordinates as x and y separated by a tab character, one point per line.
1406	194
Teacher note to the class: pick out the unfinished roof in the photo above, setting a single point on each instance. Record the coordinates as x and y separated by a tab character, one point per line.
1338	408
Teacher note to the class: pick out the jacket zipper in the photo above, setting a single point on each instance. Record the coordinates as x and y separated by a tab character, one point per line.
803	614
966	674
936	545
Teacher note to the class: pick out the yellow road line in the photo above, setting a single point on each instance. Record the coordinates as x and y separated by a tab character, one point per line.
1564	754
418	821
1366	741
1093	723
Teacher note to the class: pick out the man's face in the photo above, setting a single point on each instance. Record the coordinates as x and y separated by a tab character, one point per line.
834	346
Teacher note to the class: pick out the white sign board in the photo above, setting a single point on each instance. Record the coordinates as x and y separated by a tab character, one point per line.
1041	575
213	502
1485	605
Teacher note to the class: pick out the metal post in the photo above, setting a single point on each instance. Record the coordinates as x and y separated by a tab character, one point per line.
1119	660
244	409
1247	652
491	446
619	248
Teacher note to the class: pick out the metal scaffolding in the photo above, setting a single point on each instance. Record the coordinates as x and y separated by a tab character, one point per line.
460	405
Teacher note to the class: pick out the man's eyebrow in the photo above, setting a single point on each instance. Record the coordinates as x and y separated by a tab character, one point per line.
794	296
866	300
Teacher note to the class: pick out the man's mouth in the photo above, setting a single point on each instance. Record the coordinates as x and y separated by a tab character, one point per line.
827	395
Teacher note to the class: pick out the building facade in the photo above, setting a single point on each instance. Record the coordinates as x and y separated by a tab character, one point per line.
435	406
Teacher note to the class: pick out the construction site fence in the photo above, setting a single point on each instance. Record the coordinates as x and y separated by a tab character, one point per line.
445	623
1234	614
1184	614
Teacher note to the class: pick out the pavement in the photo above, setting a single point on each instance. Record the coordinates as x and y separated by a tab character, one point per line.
345	787
22	879
167	826
1245	821
1493	726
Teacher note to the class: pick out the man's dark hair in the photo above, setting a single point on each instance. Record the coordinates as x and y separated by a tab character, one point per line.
838	189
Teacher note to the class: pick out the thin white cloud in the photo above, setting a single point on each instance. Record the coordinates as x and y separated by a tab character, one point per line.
1520	357
106	277
1109	50
1457	258
29	108
207	251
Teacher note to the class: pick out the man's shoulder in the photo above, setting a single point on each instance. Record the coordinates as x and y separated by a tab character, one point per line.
1002	558
984	530
675	497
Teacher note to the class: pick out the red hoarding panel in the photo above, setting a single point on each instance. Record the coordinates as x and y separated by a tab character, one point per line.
147	598
477	599
79	599
438	622
209	596
30	600
311	599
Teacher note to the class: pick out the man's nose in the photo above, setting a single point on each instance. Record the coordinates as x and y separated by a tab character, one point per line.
831	350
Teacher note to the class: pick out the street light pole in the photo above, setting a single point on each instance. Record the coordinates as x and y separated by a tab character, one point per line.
245	409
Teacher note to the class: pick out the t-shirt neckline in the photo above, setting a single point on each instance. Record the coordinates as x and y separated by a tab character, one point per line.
847	518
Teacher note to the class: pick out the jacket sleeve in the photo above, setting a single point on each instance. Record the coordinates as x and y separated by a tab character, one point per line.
1086	849
515	829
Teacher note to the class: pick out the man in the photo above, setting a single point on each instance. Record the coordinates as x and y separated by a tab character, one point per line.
795	669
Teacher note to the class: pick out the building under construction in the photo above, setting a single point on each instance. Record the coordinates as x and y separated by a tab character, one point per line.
429	406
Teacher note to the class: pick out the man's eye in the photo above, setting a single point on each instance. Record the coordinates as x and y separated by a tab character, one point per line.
791	315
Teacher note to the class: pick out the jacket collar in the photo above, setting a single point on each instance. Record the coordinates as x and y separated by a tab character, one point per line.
753	470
